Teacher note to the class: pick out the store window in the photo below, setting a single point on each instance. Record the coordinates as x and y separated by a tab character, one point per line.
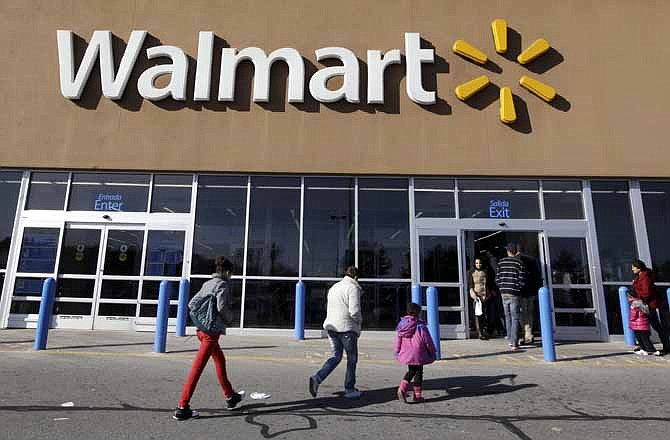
119	289
10	185
165	253
562	199
656	202
109	192
151	311
123	255
47	191
498	199
616	242
274	226
383	228
38	250
75	288
316	301
269	304
439	259
383	304
79	253
328	234
220	216
171	193
434	198
116	309
150	294
614	225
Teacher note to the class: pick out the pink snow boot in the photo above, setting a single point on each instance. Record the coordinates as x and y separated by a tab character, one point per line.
402	391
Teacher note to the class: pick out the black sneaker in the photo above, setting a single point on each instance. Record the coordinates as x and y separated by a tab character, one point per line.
185	413
313	386
233	400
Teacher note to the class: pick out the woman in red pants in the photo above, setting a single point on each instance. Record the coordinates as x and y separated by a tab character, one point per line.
209	309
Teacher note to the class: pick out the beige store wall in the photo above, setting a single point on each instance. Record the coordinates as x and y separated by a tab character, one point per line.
610	67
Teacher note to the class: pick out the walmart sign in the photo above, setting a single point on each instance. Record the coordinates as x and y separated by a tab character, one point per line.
114	82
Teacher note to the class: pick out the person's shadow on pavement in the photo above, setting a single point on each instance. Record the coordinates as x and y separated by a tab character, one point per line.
453	388
307	409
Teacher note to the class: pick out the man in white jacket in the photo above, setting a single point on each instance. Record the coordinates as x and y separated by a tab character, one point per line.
343	323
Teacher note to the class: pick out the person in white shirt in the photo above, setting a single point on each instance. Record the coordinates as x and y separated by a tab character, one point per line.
343	323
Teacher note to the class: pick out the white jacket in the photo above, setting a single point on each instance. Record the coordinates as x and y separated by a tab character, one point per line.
344	307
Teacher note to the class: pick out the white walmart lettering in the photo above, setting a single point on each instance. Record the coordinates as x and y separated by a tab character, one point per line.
114	83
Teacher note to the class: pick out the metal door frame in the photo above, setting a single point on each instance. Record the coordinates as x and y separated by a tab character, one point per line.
544	229
597	333
459	331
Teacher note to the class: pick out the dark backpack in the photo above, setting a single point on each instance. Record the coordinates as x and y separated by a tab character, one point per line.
205	314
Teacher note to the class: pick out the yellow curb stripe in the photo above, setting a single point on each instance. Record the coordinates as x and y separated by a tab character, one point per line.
508	361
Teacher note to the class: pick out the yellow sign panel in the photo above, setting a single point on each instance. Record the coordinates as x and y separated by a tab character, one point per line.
464	91
507	111
536	49
540	89
469	51
499	28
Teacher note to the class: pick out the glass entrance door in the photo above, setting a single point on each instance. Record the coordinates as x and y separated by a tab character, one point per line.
440	261
489	246
100	269
571	285
119	274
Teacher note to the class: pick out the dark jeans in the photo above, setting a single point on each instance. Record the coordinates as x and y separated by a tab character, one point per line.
339	343
643	338
660	328
415	372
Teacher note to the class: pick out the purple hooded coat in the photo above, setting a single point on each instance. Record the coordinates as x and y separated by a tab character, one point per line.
413	344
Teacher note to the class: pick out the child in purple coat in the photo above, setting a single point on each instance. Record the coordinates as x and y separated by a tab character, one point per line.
414	348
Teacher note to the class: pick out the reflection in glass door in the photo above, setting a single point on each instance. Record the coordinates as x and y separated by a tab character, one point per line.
77	276
109	275
99	276
571	285
439	267
119	278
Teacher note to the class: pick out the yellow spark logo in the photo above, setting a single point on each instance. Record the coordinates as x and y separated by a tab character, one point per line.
470	88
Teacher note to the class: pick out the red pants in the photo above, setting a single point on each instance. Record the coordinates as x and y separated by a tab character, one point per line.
209	346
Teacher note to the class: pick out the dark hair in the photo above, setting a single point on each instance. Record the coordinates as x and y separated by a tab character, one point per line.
512	247
474	262
352	271
223	264
413	309
640	265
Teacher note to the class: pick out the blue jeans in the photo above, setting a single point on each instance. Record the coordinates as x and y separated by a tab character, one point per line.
339	342
512	308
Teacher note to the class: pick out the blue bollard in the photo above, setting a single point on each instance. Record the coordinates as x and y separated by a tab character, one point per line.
416	295
628	334
546	325
182	307
299	328
46	309
668	293
434	320
162	317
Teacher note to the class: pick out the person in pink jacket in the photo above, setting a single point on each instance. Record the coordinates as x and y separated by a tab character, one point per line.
413	347
639	323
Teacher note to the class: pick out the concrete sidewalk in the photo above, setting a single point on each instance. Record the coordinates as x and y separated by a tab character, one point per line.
372	349
103	384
